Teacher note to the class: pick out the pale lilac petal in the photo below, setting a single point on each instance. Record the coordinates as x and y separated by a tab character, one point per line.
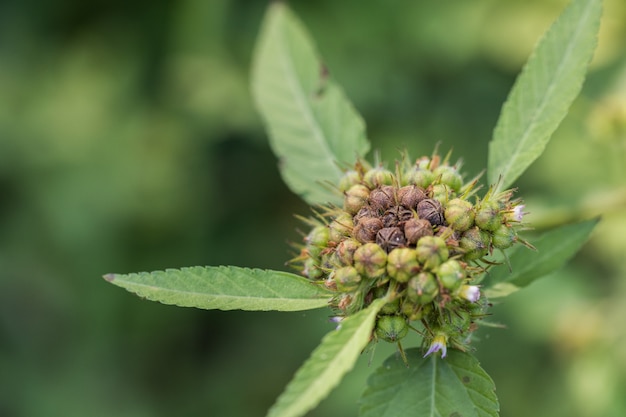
470	293
518	213
438	344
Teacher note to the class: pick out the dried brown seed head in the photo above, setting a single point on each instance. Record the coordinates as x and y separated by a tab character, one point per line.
390	238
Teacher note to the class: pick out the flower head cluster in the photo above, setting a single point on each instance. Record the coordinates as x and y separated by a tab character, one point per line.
418	236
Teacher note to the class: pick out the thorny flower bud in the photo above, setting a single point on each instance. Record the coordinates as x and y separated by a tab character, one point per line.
370	260
346	278
503	237
402	264
318	236
431	251
449	176
442	193
349	179
459	214
345	251
391	328
341	227
410	236
488	215
451	274
420	177
423	288
474	243
355	198
377	177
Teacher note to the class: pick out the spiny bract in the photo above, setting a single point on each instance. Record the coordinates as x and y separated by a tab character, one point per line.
418	236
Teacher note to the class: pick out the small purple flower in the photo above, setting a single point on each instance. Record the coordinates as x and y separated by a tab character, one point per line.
438	344
470	293
518	214
338	320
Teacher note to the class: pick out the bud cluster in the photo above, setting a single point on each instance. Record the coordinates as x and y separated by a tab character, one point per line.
418	236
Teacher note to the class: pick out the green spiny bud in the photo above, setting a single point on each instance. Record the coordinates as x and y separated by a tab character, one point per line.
341	227
349	179
345	251
391	328
504	237
474	243
451	274
442	193
459	214
391	308
423	288
370	260
378	176
420	177
318	236
346	278
355	198
488	216
431	251
402	264
312	269
414	311
449	176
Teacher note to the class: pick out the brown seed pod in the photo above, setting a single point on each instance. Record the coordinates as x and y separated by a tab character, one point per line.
410	195
396	216
365	212
431	210
390	238
382	198
414	229
366	229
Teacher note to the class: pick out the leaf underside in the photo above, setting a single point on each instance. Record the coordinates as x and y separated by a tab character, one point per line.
430	387
329	362
544	91
554	249
225	288
313	129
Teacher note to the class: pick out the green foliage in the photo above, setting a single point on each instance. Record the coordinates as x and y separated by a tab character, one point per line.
544	91
329	362
312	127
553	249
225	288
429	387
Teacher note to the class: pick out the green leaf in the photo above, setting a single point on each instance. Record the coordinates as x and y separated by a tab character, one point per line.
313	128
225	288
429	387
554	249
544	91
329	362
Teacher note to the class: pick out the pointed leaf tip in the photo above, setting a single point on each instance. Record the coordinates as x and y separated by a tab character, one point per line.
543	92
109	277
313	128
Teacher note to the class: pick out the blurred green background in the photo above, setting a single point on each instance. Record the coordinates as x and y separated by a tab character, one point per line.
128	142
